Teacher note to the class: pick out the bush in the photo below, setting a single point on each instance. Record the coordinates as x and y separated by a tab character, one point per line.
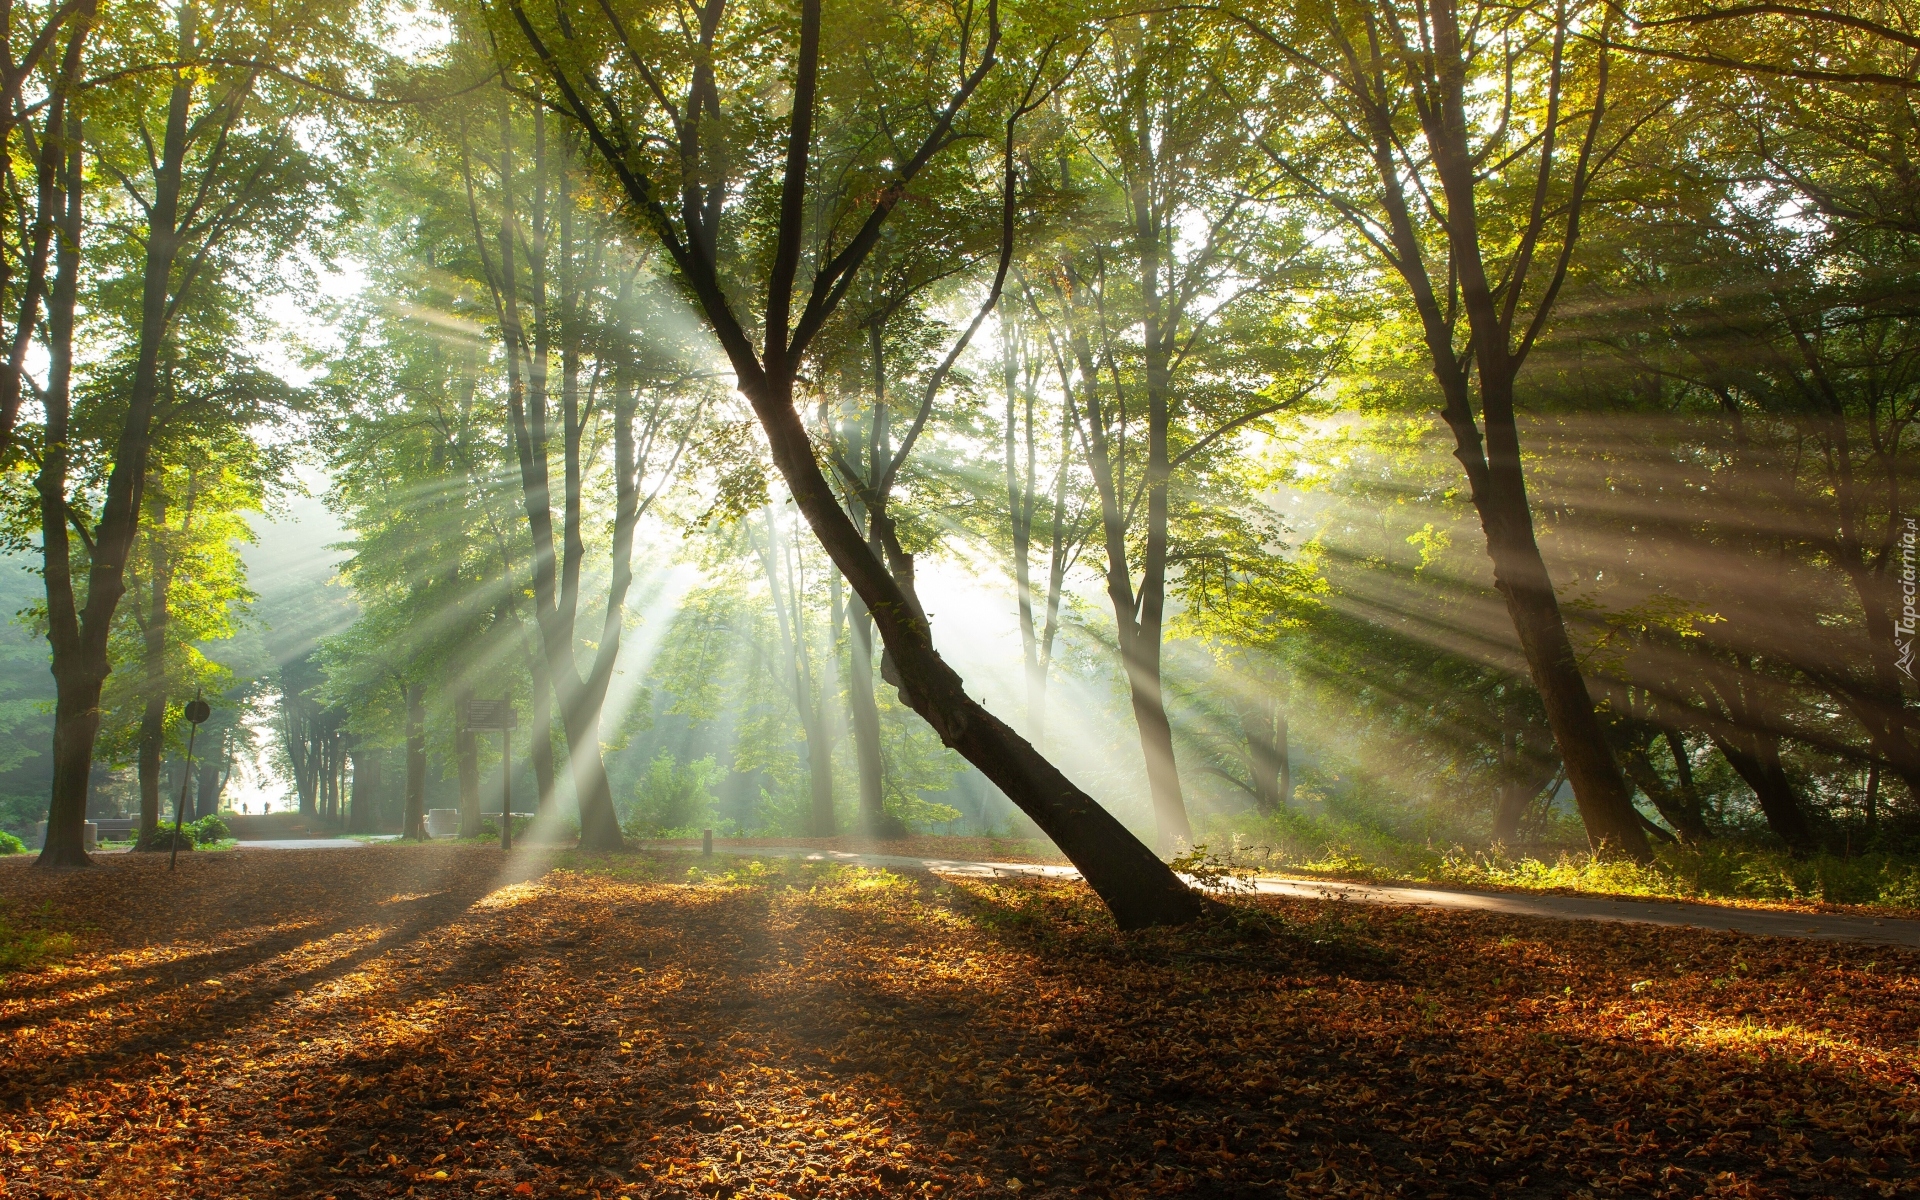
675	799
161	839
490	828
10	844
209	828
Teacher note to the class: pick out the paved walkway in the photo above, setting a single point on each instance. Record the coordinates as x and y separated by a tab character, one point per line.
1839	927
342	843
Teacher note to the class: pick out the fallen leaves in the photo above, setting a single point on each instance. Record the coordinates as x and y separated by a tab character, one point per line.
810	1031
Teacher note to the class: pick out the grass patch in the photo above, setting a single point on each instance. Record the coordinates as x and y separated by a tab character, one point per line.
1725	870
26	943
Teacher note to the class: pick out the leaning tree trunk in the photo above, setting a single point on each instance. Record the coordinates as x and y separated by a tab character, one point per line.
1138	888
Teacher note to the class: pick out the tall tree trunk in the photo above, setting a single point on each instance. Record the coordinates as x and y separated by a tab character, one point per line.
81	662
1058	553
1264	724
863	708
1020	511
556	577
778	558
1146	637
1492	461
303	748
1755	755
467	764
1520	574
77	681
864	711
365	796
206	797
153	714
540	732
413	821
1138	638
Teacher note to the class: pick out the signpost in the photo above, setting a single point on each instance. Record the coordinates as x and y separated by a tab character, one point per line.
196	712
496	716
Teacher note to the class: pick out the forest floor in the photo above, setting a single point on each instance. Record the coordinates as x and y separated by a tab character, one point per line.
435	1021
977	849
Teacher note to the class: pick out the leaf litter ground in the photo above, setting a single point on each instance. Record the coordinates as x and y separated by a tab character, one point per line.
436	1022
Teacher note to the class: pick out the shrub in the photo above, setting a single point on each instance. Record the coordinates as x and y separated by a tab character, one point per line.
209	828
675	799
10	844
490	828
161	839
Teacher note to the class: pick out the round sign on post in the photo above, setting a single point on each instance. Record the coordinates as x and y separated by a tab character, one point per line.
196	712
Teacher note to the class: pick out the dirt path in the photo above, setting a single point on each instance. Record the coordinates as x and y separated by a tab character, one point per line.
1836	927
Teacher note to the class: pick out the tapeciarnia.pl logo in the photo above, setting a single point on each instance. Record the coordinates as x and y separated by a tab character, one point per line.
1909	615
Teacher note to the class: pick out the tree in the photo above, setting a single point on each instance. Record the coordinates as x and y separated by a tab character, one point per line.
207	173
589	317
1477	209
611	79
1167	255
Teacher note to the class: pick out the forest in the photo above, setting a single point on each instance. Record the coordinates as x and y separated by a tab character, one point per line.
1352	433
959	597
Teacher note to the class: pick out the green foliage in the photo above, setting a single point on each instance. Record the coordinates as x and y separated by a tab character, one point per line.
490	828
162	839
10	844
208	829
1718	870
674	799
1727	869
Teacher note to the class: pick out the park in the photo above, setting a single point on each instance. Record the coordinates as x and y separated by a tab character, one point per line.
670	598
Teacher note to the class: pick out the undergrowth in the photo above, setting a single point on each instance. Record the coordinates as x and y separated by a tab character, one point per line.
1716	870
25	944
